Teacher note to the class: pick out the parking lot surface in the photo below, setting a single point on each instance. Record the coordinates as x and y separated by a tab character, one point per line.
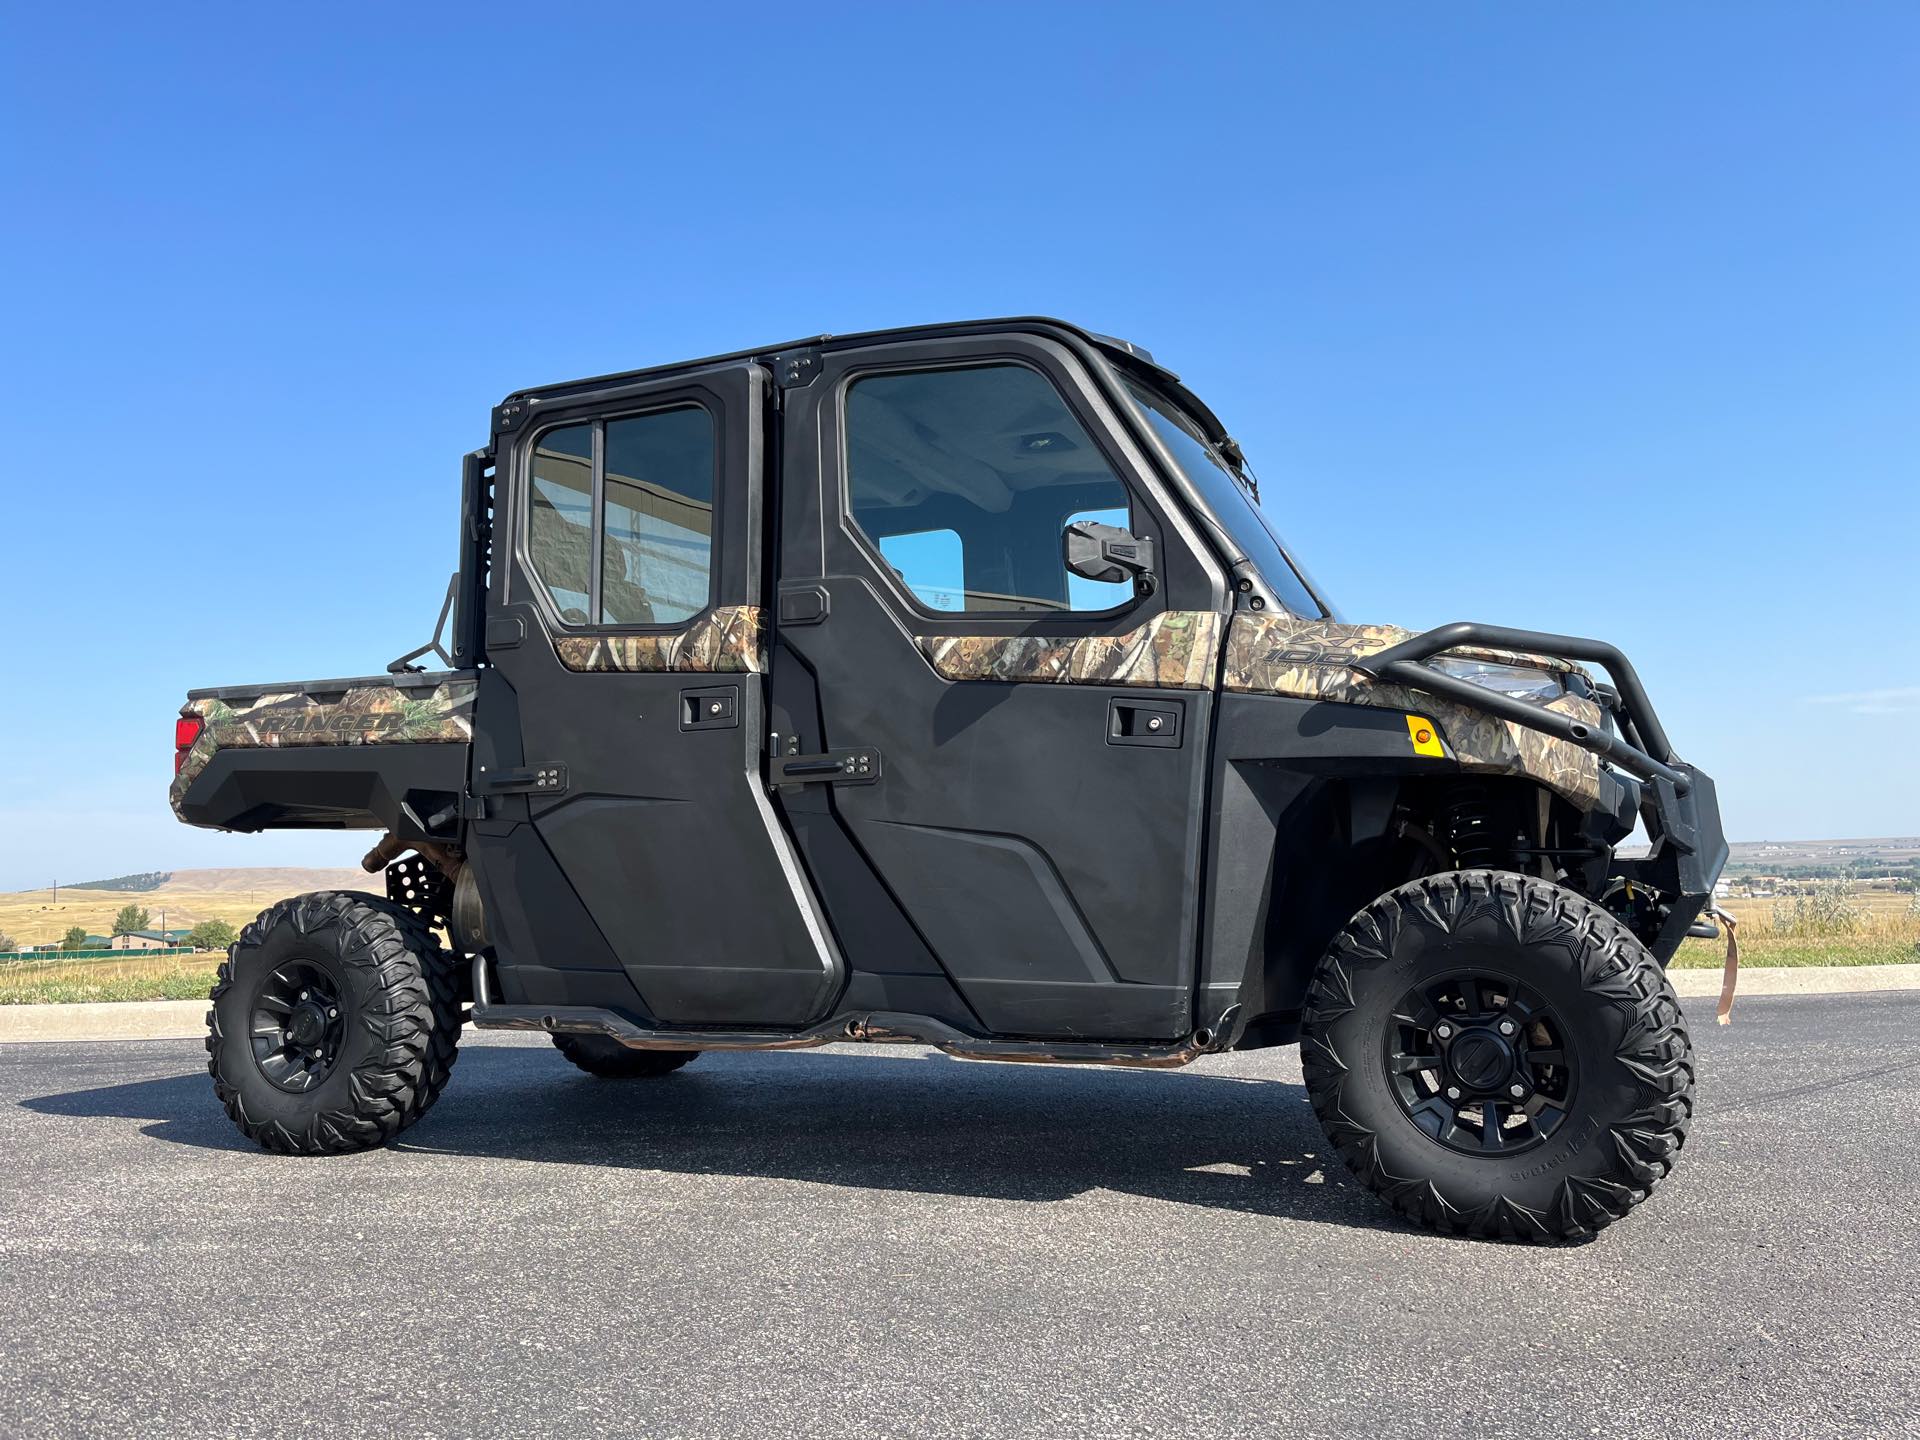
884	1241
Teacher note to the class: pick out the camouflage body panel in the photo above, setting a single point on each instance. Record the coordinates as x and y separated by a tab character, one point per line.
1312	660
363	715
1176	650
726	639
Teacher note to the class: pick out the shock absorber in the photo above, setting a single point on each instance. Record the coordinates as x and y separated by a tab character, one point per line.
1470	828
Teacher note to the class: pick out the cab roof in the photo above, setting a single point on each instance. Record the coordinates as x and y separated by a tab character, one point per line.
1124	351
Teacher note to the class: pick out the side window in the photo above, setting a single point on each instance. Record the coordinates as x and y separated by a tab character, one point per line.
964	479
641	489
659	518
560	518
928	563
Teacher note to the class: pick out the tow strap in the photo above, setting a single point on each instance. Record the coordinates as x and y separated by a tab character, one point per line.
1731	975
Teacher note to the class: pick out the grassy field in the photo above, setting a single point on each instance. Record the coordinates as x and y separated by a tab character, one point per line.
177	977
1884	931
190	896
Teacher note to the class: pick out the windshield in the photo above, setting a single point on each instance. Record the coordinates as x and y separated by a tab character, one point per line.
1227	496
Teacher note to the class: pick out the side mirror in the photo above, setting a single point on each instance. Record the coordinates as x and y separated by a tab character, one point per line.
1106	552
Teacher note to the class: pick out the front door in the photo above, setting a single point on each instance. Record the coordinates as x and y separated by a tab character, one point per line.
630	856
1036	742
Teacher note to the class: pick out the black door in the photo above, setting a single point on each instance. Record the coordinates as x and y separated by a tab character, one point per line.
630	857
1040	740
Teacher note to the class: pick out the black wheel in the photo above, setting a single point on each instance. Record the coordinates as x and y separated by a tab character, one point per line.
611	1060
1495	1055
334	1025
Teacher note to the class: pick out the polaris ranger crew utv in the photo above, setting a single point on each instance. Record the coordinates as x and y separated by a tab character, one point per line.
951	685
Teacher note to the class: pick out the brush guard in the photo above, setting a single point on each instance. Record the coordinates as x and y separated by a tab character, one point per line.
1678	803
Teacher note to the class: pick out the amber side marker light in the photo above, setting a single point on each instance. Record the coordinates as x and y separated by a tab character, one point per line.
1425	742
186	730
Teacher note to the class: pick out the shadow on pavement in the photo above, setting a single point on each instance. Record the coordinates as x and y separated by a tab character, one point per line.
903	1121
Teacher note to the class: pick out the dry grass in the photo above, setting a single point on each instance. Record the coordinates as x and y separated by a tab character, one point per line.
67	982
1885	931
190	896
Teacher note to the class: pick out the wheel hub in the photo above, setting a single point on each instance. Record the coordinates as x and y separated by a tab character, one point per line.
308	1025
1480	1063
1480	1060
296	1027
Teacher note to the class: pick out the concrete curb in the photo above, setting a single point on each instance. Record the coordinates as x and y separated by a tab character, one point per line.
128	1020
187	1019
1799	980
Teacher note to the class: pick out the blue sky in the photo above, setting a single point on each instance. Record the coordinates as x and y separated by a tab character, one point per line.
1602	319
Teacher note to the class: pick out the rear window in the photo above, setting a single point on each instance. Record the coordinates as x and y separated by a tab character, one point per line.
638	492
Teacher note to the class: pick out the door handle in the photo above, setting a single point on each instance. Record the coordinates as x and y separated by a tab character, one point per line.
716	707
1146	722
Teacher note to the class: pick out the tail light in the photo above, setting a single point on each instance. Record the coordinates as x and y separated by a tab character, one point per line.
186	730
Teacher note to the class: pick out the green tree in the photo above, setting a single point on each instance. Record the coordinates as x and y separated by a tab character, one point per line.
6	941
211	935
73	939
132	918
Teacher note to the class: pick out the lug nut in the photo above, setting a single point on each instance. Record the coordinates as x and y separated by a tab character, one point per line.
1453	1092
333	1014
1443	1030
1516	1091
303	994
1506	1027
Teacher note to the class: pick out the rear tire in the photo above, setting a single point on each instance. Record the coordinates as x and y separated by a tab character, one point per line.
1478	994
335	1024
610	1060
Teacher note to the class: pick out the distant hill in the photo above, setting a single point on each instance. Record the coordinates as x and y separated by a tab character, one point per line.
1887	850
270	882
145	880
180	899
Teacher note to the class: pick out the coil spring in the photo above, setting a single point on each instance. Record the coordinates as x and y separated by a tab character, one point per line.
1470	828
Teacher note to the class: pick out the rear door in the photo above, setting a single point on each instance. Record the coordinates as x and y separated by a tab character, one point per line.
1035	743
630	855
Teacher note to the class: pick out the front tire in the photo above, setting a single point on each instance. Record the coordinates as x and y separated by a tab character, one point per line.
334	1025
1495	1055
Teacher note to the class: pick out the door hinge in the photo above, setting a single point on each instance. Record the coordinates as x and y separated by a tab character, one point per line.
550	779
792	368
831	767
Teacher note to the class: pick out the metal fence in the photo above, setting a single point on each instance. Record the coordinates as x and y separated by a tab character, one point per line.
9	956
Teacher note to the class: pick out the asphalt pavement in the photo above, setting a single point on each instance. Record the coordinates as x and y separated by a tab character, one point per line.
884	1241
